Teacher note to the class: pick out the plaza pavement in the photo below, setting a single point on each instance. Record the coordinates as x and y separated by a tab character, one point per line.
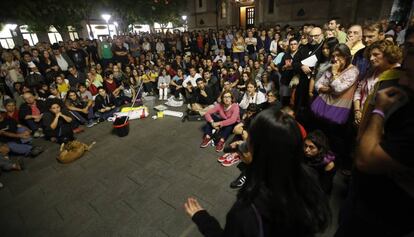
130	186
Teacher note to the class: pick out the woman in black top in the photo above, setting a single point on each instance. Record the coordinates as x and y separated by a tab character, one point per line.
280	196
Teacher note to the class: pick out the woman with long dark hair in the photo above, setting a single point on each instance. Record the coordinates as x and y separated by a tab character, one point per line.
319	157
280	197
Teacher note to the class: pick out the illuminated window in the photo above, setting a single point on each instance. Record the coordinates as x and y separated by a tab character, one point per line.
54	36
6	38
29	35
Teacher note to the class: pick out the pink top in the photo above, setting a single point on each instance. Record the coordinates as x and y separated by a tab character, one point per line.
230	115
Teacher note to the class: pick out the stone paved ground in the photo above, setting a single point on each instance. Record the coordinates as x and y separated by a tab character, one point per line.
131	186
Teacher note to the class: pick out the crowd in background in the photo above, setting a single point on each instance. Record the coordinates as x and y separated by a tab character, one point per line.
324	78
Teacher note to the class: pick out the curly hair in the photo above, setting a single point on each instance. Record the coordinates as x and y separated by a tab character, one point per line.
391	52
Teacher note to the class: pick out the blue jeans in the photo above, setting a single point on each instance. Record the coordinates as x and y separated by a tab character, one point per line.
80	117
34	126
106	115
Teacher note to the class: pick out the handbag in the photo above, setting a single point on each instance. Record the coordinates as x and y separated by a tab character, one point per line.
334	108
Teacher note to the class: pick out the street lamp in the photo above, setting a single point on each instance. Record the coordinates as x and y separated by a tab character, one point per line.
184	17
106	17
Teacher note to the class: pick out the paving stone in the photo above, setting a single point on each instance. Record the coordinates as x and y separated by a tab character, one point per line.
130	186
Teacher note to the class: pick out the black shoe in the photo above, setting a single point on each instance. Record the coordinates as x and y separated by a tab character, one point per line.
239	182
185	117
100	120
21	164
36	150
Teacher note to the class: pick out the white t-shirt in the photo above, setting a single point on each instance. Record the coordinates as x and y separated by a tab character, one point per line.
191	79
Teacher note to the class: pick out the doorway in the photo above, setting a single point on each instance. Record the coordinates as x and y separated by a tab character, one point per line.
246	17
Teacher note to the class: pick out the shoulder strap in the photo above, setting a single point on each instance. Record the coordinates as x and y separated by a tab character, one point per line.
259	220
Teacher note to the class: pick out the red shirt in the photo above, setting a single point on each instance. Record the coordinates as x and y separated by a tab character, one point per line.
302	130
110	87
14	116
35	110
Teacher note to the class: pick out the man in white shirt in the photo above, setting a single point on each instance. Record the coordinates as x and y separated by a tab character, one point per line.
192	78
221	56
190	83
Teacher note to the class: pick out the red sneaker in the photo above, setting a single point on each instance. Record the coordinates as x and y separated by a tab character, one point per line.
206	141
223	157
234	158
220	146
78	130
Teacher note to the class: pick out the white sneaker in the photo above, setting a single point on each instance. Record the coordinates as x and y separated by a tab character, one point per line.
160	98
165	97
180	97
1	185
37	134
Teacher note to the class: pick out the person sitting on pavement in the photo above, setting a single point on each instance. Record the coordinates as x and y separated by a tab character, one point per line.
11	110
80	110
31	113
203	98
18	138
221	119
104	105
58	123
6	164
319	157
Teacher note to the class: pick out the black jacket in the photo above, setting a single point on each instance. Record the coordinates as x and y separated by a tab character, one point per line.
25	109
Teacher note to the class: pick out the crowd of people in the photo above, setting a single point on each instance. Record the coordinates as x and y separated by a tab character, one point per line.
298	103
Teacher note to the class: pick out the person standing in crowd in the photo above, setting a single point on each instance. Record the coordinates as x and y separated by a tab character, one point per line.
79	57
105	52
380	201
383	56
120	53
334	25
62	59
354	39
371	33
305	72
332	107
268	204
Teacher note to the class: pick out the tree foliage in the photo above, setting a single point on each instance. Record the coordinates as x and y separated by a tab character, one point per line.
40	15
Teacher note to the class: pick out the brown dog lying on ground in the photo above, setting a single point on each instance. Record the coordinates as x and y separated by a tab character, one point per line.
72	151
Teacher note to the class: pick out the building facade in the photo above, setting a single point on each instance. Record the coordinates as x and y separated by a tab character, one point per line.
249	13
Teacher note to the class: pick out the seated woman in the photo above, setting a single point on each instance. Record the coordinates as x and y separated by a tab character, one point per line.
162	85
57	123
281	197
115	88
62	85
222	118
271	101
252	96
241	134
104	105
319	157
176	85
80	110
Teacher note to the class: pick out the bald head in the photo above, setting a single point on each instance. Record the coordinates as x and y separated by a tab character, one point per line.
316	36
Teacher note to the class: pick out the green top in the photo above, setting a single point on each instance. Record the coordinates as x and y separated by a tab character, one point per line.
106	50
341	37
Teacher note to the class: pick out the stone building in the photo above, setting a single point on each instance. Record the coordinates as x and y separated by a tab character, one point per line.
248	13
